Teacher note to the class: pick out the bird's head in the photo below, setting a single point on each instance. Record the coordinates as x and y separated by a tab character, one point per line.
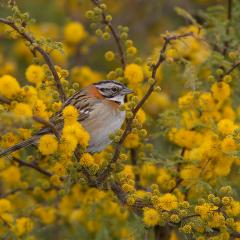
113	90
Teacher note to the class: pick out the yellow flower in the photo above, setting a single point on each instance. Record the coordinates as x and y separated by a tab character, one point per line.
23	225
48	144
109	56
77	215
39	109
221	91
186	100
167	202
84	75
228	144
70	114
131	141
9	86
77	131
5	206
226	126
35	74
11	175
46	214
150	217
74	32
134	74
206	102
141	116
87	160
22	110
205	209
68	144
55	180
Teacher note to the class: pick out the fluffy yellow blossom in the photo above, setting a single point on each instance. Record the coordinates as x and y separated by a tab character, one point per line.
87	160
134	74
233	209
206	102
70	114
186	100
59	169
39	109
131	141
150	217
22	110
9	86
77	215
228	145
68	144
221	91
11	175
205	209
46	214
35	74
217	220
55	180
5	206
84	75
165	180
141	116
156	103
48	144
23	225
167	202
74	32
77	131
226	126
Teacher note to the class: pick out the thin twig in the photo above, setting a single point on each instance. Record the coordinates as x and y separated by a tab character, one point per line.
234	66
33	166
114	34
105	173
39	49
47	124
4	100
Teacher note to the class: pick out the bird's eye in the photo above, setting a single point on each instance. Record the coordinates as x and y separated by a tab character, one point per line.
114	89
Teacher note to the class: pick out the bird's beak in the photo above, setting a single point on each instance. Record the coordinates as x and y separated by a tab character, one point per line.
126	91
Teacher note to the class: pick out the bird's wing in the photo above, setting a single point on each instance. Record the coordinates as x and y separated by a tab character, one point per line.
81	101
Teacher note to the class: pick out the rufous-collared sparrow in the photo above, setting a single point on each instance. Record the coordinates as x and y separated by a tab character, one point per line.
99	113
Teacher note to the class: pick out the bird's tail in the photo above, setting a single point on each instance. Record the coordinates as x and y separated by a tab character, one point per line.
20	145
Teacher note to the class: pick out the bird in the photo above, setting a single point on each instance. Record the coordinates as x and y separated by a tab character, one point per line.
99	108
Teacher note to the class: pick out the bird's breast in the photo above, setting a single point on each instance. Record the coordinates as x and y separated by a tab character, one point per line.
103	121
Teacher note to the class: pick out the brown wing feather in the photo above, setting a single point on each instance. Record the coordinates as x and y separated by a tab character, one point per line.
84	104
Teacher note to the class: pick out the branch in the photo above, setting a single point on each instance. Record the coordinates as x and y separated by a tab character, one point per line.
234	66
47	124
31	165
39	49
4	100
114	34
105	173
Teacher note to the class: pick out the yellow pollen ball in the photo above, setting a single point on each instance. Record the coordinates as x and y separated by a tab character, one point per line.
167	202
9	86
70	114
134	73
24	225
35	74
74	32
226	126
22	110
150	217
48	144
